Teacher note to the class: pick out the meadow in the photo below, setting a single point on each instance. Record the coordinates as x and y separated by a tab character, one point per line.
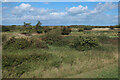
72	53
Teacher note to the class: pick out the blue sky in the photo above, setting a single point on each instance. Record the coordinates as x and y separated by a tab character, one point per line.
60	13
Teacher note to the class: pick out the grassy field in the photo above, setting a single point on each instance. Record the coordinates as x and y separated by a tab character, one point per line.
64	61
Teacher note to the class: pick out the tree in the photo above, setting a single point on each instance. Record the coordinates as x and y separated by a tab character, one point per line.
27	28
39	27
27	24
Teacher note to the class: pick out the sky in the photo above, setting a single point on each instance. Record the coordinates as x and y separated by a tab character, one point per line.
60	13
60	0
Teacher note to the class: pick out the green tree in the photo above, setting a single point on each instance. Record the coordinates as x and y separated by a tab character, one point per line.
39	28
27	24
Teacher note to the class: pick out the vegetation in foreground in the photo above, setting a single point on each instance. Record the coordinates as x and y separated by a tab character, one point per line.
52	54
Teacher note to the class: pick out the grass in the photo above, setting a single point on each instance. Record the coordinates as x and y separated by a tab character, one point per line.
110	71
63	61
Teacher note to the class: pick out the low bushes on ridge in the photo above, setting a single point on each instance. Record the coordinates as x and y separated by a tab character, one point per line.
21	43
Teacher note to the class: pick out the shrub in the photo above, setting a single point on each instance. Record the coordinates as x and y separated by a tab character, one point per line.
80	29
5	29
47	29
111	27
39	28
16	43
17	63
85	43
88	28
103	39
54	38
66	31
39	44
4	38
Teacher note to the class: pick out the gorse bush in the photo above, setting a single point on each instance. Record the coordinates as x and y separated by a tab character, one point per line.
4	38
36	43
103	38
5	29
66	30
47	29
85	43
88	28
17	63
80	29
54	38
16	43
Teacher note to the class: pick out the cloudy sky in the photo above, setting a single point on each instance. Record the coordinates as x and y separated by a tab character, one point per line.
60	13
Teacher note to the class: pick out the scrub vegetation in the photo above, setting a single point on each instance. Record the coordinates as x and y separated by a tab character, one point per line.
59	51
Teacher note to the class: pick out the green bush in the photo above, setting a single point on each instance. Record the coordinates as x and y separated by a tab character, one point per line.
17	63
39	28
16	43
54	38
66	31
85	43
4	38
103	38
80	29
111	27
5	29
36	43
47	29
26	33
88	28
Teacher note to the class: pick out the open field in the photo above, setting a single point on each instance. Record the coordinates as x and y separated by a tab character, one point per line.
63	61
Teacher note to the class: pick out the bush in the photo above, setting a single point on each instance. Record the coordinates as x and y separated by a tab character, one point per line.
85	43
4	38
16	43
88	28
39	28
66	31
111	27
39	44
80	29
5	29
16	64
47	29
54	38
103	39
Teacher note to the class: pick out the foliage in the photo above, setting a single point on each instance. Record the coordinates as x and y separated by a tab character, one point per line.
16	43
85	43
5	29
103	38
39	28
4	38
17	63
47	29
66	30
26	33
54	38
36	43
80	29
27	24
111	27
88	28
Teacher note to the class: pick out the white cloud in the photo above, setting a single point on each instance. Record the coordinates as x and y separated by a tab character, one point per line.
77	10
104	7
23	6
